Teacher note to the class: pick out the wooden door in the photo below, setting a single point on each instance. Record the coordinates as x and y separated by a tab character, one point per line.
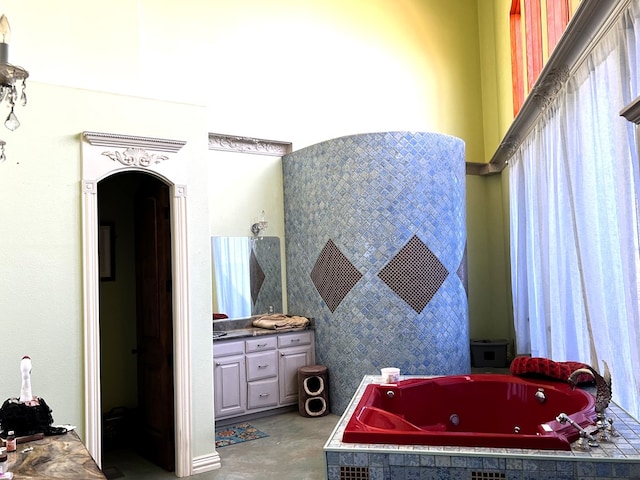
154	323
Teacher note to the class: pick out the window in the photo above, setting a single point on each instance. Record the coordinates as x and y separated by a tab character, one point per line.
536	28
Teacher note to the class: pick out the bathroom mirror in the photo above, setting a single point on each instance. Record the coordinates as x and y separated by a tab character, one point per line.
247	278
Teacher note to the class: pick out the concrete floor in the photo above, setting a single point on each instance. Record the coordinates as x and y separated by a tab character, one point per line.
293	450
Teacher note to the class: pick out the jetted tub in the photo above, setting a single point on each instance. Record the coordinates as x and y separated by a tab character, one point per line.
480	410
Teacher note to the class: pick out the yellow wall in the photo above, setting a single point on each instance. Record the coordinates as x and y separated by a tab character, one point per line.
495	52
281	69
369	66
490	309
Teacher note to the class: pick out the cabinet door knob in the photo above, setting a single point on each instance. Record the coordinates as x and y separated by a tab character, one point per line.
218	364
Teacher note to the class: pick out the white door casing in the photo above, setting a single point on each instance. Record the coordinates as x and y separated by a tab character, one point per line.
105	154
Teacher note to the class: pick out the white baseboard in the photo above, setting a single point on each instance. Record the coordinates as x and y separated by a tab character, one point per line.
205	463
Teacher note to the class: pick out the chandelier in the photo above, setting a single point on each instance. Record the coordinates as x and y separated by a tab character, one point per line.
12	82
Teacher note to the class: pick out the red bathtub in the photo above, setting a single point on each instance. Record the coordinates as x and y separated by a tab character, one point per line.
481	410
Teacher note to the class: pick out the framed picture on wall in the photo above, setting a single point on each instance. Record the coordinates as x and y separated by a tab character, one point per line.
107	251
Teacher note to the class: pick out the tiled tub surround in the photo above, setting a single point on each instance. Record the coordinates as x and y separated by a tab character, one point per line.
375	242
619	459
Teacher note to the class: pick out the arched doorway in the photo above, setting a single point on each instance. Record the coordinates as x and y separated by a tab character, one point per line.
104	155
136	322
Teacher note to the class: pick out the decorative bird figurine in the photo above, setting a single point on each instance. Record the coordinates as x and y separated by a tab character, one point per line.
603	385
26	394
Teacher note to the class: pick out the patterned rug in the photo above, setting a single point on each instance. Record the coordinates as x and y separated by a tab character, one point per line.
242	432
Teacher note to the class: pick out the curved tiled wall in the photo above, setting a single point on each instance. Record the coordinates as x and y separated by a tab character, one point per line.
376	254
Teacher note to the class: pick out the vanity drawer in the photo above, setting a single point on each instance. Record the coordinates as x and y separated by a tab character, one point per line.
294	339
263	393
262	365
266	342
222	349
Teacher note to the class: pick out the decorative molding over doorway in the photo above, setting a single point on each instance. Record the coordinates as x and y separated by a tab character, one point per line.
232	143
100	139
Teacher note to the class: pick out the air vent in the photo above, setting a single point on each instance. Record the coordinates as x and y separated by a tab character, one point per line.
488	476
354	473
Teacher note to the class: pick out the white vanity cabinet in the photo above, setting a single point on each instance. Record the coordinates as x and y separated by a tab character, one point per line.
229	379
262	372
259	373
296	350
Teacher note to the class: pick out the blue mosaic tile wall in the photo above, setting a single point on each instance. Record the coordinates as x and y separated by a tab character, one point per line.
375	251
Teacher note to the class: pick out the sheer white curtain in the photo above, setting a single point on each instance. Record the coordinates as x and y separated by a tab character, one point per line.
231	269
574	220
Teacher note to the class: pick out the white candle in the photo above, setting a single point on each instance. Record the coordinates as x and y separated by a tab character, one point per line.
5	36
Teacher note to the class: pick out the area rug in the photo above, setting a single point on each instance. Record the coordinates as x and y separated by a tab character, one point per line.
242	432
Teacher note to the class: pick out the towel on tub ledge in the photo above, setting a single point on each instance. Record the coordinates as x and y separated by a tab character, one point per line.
548	368
279	321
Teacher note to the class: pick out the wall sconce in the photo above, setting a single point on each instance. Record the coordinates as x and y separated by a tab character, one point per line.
13	81
258	227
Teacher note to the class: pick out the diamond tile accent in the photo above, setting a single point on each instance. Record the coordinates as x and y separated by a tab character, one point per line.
463	273
333	275
269	295
256	276
415	274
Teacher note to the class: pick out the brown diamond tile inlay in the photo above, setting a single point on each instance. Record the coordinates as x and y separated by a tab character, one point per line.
415	274
462	272
256	276
333	275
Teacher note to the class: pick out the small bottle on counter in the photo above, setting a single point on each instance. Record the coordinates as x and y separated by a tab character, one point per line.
4	463
11	441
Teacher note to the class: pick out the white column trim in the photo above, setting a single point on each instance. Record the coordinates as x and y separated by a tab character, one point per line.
182	333
90	275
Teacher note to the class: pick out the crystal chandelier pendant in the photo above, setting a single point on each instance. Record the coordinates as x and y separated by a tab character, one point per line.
13	82
12	121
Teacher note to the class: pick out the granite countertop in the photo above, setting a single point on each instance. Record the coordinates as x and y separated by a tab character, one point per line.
232	329
54	457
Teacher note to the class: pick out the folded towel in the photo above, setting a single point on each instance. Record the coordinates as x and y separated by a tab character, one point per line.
279	321
548	368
